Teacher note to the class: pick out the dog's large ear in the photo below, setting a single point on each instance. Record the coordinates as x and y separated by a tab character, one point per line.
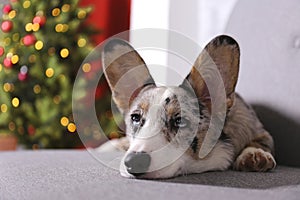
125	71
215	70
222	52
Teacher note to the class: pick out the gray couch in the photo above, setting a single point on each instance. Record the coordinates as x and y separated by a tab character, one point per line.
269	35
77	175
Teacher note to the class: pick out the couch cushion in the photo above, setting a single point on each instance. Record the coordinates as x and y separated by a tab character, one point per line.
269	36
78	175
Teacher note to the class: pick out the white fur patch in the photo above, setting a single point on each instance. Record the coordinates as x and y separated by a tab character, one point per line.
149	137
220	158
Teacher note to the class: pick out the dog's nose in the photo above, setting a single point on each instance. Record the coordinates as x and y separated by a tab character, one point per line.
137	163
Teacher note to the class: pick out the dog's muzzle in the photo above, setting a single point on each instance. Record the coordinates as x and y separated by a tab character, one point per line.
137	163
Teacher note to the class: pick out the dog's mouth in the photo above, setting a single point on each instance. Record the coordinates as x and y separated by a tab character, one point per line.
157	175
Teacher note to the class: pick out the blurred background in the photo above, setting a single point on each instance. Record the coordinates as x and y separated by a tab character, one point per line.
42	47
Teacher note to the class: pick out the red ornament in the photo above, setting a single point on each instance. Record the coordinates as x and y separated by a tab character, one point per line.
6	26
31	130
7	62
22	77
101	91
29	39
40	19
1	51
6	9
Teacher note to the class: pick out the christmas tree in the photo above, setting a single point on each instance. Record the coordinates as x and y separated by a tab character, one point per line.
42	46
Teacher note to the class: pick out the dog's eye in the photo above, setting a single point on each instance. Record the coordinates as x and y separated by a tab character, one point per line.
180	122
136	119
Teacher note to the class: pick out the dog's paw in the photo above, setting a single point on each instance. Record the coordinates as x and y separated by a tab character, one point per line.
254	159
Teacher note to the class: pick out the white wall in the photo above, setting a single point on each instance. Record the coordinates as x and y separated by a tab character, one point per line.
199	20
151	14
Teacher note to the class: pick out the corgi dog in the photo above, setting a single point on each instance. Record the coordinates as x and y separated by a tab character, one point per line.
176	130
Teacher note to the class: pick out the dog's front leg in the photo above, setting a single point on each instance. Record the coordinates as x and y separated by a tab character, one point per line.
257	156
121	144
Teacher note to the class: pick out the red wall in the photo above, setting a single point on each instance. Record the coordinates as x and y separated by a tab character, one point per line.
109	16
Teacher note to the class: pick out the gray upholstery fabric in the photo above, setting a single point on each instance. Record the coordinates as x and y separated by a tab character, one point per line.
268	32
77	175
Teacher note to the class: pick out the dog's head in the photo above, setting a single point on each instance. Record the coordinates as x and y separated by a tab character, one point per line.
166	126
